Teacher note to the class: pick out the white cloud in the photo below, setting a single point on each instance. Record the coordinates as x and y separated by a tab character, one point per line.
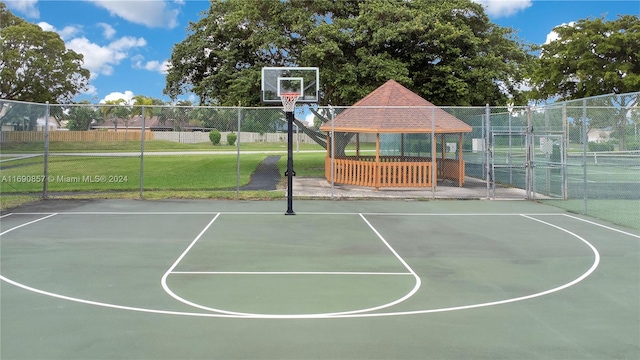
553	36
153	65
100	60
27	7
126	96
309	118
66	33
46	26
149	13
504	8
91	90
107	30
127	42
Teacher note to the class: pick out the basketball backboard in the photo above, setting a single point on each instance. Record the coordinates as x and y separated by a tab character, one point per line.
287	80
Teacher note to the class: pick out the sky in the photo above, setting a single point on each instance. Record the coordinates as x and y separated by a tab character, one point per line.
127	44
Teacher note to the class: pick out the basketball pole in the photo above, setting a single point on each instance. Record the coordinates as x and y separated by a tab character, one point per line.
290	173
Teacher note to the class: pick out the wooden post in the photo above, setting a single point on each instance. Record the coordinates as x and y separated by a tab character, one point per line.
460	163
327	164
443	155
377	163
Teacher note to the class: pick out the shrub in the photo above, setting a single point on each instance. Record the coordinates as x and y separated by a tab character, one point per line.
633	145
594	146
231	139
214	136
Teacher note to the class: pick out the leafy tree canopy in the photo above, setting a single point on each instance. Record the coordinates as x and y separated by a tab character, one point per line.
593	57
446	51
590	57
81	117
35	64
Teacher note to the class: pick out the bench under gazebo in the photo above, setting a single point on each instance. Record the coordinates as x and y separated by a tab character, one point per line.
412	139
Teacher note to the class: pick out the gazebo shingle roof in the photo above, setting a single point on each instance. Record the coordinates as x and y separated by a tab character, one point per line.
392	108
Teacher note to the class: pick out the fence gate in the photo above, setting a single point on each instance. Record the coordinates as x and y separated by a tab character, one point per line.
548	163
508	155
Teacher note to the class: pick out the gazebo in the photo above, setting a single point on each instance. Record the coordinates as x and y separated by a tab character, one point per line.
396	112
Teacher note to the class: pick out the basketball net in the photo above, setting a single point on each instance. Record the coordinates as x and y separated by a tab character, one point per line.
289	101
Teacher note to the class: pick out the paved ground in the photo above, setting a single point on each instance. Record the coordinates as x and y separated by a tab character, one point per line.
472	189
266	176
374	279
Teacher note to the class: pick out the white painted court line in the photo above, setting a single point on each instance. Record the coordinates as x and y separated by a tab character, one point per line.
593	267
127	213
285	273
163	281
603	226
28	223
107	305
359	315
278	213
177	297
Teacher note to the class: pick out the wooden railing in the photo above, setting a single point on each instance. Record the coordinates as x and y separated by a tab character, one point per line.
392	171
451	169
364	172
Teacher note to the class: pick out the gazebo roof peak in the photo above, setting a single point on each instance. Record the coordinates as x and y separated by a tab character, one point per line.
392	93
392	108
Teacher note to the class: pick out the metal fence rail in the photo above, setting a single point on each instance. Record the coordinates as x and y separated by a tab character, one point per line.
581	155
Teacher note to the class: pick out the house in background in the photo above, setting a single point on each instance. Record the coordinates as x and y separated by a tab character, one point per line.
132	124
599	135
24	124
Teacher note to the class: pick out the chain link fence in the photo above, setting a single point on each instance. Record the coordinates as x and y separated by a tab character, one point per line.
583	155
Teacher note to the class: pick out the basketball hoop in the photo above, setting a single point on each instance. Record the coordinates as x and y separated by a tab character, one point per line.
289	101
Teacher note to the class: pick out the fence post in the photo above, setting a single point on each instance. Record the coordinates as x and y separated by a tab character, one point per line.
585	141
142	154
45	189
238	154
563	154
434	162
487	152
529	158
332	143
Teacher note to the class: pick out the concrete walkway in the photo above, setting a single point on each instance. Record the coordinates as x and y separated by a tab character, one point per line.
304	187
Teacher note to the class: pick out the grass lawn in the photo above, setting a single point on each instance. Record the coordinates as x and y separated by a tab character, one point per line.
150	145
88	173
183	176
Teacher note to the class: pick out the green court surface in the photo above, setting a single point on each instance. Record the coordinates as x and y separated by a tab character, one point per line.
121	279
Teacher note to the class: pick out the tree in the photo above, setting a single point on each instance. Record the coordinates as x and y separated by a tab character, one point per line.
594	57
145	102
446	51
81	117
591	57
35	64
116	110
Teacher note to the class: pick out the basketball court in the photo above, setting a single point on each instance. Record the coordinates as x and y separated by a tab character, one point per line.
342	279
348	279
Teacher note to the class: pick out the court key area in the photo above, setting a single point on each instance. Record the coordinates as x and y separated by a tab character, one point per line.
177	279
